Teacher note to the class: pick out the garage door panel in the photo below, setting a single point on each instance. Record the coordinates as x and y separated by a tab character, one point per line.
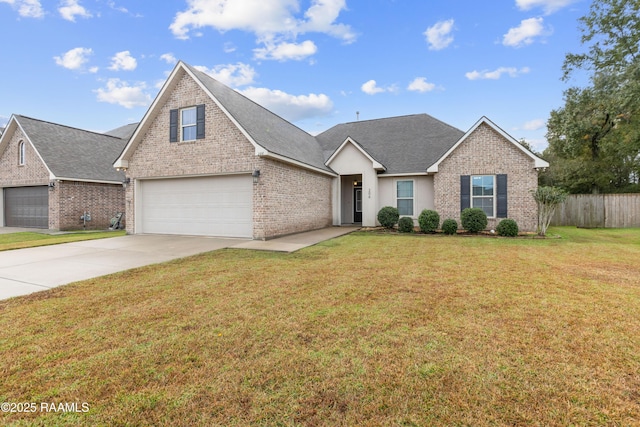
26	207
208	206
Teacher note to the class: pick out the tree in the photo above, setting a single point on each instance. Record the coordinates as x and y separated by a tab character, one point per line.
594	140
612	31
547	199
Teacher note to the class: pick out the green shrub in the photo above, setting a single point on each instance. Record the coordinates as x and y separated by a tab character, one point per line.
429	221
388	216
473	219
449	226
405	225
508	228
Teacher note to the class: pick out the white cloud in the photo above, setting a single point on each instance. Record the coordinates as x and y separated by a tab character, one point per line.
420	84
71	8
121	93
26	8
549	6
75	58
525	33
233	75
123	61
371	88
286	51
496	74
439	35
533	125
290	107
169	58
273	22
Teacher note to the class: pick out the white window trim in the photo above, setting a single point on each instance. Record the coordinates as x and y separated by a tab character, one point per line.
21	153
495	194
395	195
182	126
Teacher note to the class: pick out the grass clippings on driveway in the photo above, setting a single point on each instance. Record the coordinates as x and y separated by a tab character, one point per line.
364	329
29	239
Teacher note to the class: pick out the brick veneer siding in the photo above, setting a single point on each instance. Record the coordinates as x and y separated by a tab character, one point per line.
290	199
283	190
33	172
69	200
486	152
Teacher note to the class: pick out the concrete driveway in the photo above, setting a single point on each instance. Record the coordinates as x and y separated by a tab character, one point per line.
23	271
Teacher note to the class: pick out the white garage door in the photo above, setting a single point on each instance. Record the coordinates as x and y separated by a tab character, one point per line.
202	206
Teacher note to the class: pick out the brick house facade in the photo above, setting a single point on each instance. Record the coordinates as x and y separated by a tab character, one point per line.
303	182
486	152
287	198
34	155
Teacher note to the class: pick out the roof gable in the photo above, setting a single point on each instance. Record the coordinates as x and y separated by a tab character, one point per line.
350	142
69	153
538	162
271	135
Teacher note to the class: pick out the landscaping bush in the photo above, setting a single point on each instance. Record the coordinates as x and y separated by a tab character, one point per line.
449	226
405	225
428	221
508	228
388	216
473	219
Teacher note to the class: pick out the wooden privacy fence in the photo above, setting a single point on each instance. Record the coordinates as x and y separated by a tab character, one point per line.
599	210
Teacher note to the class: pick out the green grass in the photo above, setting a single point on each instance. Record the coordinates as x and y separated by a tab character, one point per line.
365	329
30	239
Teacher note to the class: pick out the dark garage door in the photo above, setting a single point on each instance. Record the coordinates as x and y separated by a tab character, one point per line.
26	207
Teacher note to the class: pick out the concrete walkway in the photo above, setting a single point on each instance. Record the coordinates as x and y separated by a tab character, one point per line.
23	271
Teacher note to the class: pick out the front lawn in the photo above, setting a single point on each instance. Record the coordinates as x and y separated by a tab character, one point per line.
365	329
29	239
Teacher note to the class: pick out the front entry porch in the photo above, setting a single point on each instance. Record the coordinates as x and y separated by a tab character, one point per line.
352	206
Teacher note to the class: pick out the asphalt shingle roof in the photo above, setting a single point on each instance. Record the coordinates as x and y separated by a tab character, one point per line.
405	144
267	129
74	153
123	132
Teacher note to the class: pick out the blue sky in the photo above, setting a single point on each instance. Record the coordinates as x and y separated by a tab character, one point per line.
98	64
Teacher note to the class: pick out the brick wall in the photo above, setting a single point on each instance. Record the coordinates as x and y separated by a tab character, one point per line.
283	190
486	152
33	172
290	199
70	199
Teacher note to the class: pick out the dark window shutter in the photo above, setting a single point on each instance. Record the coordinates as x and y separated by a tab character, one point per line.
501	183
173	126
465	192
200	122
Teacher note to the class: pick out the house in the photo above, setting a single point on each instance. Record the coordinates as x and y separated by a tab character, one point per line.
205	160
58	177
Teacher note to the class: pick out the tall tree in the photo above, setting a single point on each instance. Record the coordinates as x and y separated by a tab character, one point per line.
594	143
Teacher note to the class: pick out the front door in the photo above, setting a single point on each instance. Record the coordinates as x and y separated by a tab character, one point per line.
357	204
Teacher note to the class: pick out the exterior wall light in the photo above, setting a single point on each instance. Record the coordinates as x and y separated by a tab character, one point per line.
256	176
126	182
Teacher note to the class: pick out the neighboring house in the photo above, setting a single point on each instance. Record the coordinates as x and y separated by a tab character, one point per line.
52	175
205	160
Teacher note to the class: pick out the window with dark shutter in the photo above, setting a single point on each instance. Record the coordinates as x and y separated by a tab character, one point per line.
501	184
173	126
200	122
465	192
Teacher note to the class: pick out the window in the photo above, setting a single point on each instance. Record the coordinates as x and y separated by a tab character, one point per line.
188	124
21	154
404	195
482	193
